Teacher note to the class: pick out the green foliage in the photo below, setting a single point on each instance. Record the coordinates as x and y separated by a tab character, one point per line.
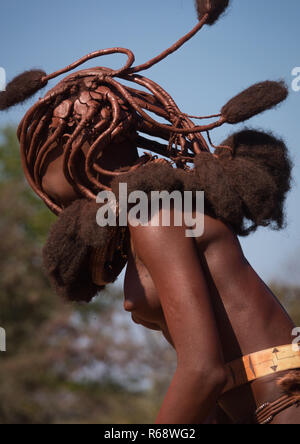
21	204
289	296
41	378
25	298
10	162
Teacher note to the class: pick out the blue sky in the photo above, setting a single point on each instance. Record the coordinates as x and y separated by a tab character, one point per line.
256	40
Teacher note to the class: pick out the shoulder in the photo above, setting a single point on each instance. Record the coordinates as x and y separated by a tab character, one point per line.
168	225
163	227
162	247
215	229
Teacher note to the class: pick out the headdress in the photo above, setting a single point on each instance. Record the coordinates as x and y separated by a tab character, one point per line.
94	107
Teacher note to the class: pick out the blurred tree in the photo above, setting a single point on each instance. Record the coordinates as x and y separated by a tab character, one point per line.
289	296
64	363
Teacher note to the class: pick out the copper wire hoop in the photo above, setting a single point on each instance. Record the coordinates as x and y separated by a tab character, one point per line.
92	106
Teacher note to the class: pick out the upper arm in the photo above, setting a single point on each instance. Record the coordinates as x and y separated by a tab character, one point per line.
172	260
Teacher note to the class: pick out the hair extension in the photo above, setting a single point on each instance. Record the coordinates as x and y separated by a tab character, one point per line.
222	200
90	111
69	248
150	177
214	8
254	100
259	170
22	88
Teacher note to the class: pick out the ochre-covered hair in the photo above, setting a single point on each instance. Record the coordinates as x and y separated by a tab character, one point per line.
245	179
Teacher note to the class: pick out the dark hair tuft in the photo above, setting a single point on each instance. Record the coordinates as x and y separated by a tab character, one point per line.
22	88
259	171
67	253
215	8
150	177
222	200
254	100
245	188
290	384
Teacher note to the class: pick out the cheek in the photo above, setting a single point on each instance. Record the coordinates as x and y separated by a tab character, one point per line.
56	185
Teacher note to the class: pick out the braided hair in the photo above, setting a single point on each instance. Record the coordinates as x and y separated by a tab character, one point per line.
245	179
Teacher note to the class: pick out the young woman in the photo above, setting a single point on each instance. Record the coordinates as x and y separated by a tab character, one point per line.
207	300
231	335
214	309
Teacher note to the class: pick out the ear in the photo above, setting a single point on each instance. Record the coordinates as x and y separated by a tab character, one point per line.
254	100
214	8
22	88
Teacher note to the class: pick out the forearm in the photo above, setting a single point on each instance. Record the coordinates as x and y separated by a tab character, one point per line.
190	398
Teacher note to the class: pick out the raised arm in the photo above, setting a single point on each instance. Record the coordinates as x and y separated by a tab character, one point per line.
172	260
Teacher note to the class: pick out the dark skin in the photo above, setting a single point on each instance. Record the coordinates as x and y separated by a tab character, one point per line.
208	302
58	188
174	305
203	294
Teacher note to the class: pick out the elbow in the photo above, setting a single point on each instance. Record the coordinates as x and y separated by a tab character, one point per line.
213	377
218	379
